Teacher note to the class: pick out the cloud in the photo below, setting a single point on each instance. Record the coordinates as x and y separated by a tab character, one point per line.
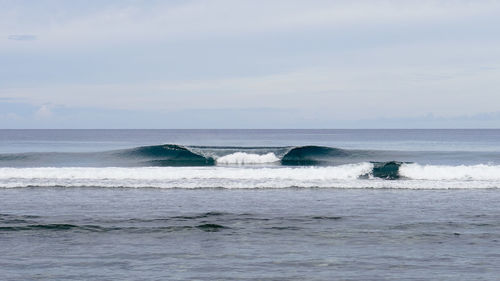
10	117
21	116
43	112
7	99
345	92
332	60
22	37
169	20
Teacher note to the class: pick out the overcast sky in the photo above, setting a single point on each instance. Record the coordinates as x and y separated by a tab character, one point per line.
249	64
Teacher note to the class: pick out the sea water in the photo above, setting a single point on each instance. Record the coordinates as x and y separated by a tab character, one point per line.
249	204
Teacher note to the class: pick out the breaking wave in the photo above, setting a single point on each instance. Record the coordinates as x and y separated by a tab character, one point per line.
177	155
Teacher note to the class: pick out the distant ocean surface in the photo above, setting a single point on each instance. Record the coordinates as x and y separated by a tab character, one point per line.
249	204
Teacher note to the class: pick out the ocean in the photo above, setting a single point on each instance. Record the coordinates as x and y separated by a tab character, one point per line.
249	204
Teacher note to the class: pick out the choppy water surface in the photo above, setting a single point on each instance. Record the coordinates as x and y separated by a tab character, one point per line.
249	204
279	234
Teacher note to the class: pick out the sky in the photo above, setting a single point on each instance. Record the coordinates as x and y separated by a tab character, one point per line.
250	64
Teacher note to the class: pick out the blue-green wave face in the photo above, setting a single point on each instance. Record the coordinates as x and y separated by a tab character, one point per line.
167	155
312	155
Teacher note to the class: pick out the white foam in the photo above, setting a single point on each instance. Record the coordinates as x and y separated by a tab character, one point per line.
434	172
345	176
241	158
183	177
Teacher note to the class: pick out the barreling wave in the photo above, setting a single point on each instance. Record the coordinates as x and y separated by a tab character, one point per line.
360	175
176	155
312	155
183	156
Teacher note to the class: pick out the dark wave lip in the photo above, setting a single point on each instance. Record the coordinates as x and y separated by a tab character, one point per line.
386	170
312	155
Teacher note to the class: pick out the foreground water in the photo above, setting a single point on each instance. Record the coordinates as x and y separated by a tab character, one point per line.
278	234
249	204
